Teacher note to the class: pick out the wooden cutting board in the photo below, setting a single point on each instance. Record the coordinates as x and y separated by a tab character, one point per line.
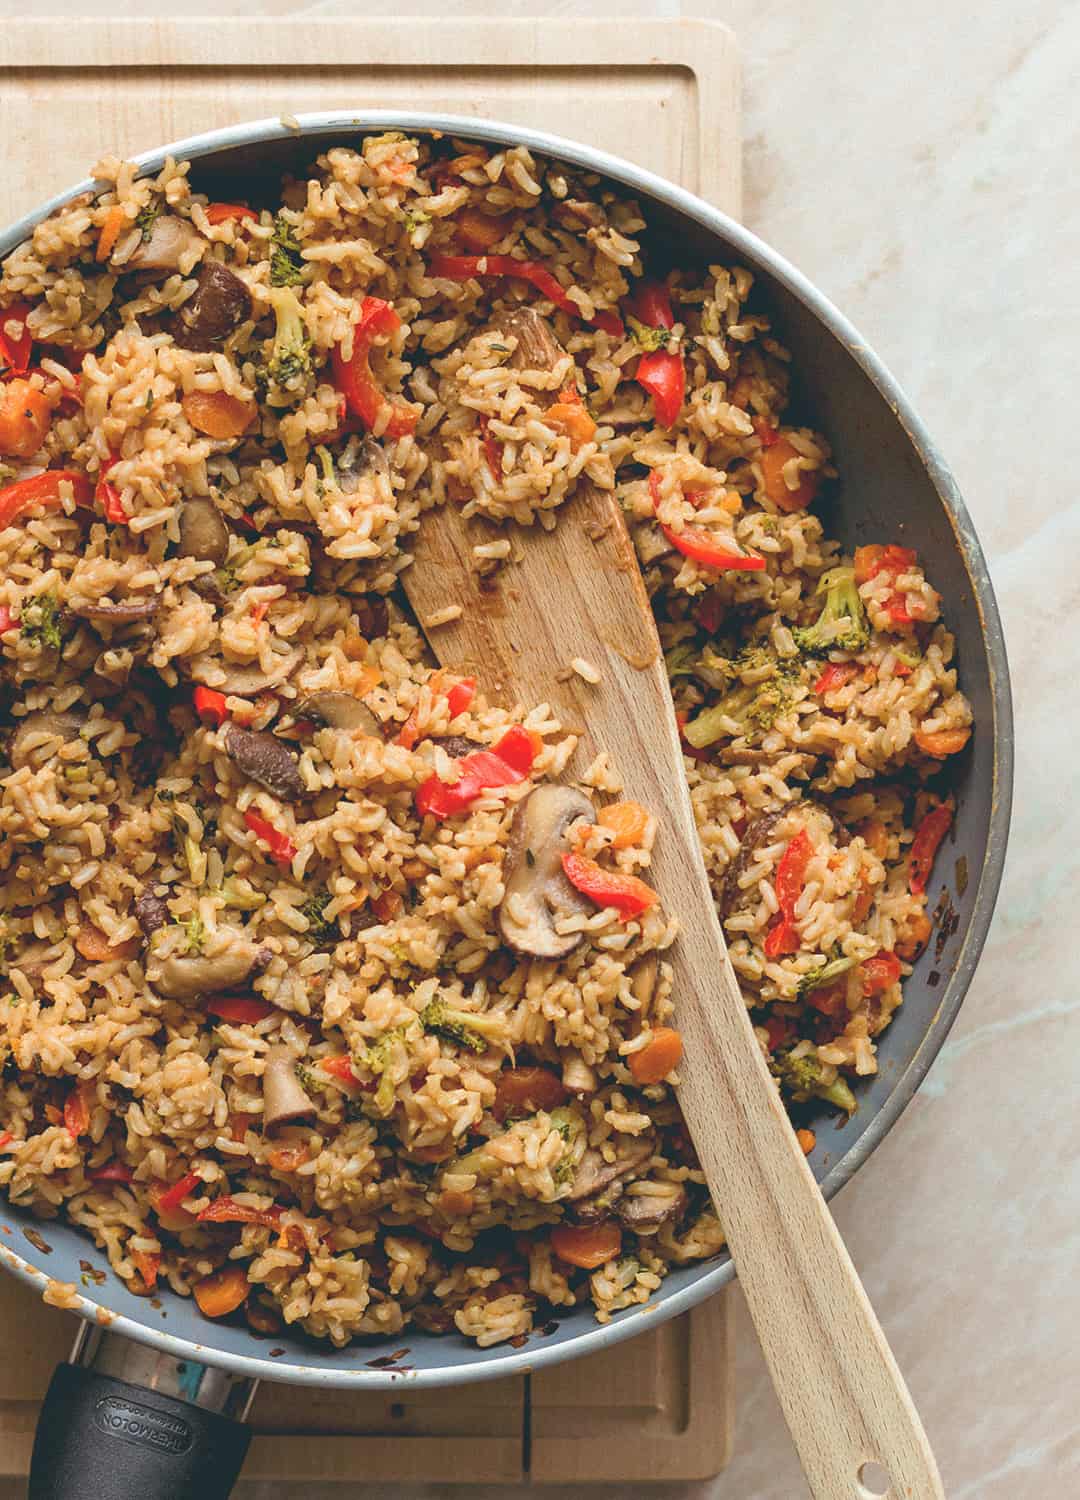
665	95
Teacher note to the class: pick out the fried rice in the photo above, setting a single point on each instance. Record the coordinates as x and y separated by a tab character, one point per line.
265	1036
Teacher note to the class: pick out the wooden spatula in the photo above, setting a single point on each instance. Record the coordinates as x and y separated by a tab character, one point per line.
576	592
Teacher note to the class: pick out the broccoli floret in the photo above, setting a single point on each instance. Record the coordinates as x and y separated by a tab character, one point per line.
323	933
646	338
194	933
801	1076
376	1059
825	974
147	217
39	621
841	626
289	362
465	1028
753	707
286	263
571	1127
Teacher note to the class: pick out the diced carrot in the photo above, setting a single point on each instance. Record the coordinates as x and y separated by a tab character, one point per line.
147	1263
874	836
479	231
240	1010
864	900
587	1245
94	946
218	415
569	413
773	459
522	1091
369	678
807	1140
943	742
655	1060
222	1291
210	704
629	822
226	1210
867	561
25	415
916	936
387	906
831	1001
288	1158
115	220
454	1204
77	1108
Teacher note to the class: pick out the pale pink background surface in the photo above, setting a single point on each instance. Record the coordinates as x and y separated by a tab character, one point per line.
916	158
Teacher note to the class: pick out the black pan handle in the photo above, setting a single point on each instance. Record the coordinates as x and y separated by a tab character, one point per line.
102	1438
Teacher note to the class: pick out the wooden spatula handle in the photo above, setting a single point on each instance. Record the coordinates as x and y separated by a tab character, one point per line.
841	1391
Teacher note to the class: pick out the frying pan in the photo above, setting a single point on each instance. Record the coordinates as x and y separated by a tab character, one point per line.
153	1400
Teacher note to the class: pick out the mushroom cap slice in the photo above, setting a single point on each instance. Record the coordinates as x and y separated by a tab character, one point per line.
109	612
230	961
203	532
647	1205
169	241
28	737
265	759
339	711
536	889
284	1097
217	307
151	910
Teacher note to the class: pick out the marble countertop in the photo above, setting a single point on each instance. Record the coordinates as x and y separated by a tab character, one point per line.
915	159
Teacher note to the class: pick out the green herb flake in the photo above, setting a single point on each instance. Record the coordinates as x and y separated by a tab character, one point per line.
40	622
286	263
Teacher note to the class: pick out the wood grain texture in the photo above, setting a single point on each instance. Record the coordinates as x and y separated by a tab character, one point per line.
577	591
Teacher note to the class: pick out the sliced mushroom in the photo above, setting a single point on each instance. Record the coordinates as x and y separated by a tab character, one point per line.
339	711
284	1097
203	532
230	961
598	1184
151	911
37	731
645	1206
536	890
245	681
170	240
643	982
537	347
265	759
756	834
458	745
106	612
217	307
368	456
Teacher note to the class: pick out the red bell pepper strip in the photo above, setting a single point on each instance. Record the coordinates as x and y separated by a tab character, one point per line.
702	546
219	213
147	1263
493	449
282	849
108	496
465	267
172	1197
626	893
892	561
6	1138
225	1210
779	1032
660	373
210	705
7	620
505	764
835	675
353	378
243	1009
113	1171
42	489
461	695
783	936
340	1068
77	1110
925	845
879	972
15	352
